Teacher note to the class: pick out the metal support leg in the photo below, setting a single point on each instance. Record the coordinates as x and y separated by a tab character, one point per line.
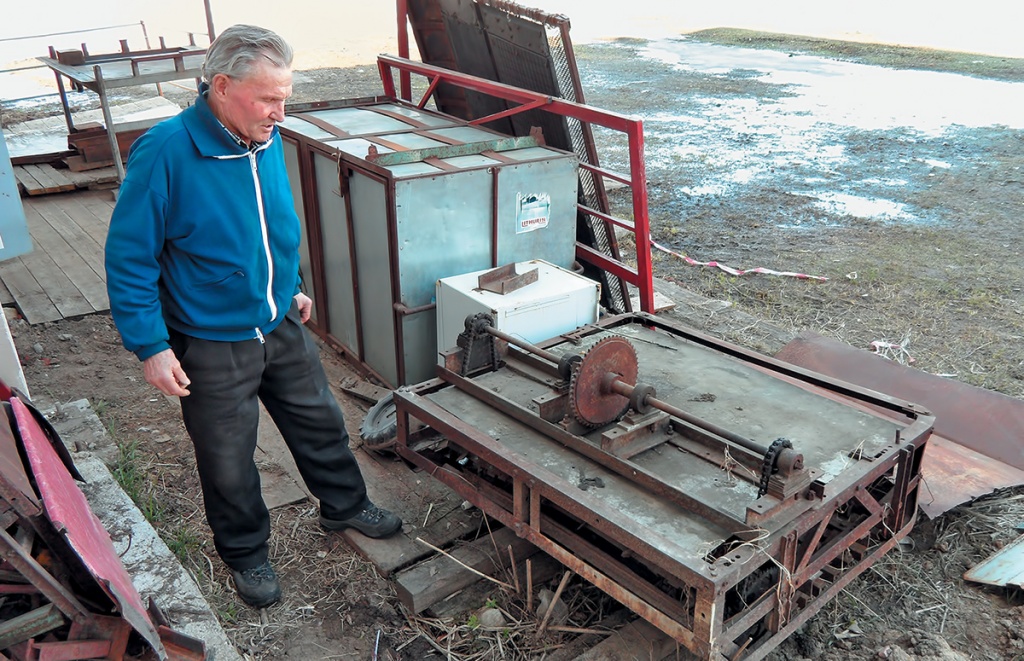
63	96
115	151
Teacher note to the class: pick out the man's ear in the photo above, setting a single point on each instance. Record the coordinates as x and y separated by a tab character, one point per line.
219	84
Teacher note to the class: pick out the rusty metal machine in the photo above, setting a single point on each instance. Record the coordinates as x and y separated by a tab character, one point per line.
721	495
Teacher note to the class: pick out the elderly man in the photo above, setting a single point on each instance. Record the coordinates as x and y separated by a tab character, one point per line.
203	277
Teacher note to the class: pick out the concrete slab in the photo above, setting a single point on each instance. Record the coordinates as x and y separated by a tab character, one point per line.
155	570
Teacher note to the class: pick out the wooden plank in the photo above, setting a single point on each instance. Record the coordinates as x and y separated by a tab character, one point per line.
428	509
90	178
86	219
73	286
100	203
636	640
88	248
78	164
430	581
29	159
29	625
94	146
51	180
363	390
6	297
32	300
27	183
64	295
412	496
543	568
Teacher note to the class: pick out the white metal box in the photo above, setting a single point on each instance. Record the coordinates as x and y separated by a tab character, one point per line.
560	301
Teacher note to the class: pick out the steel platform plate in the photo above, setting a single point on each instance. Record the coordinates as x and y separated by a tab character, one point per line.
713	386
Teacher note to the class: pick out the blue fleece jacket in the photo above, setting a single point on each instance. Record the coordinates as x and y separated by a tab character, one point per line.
204	237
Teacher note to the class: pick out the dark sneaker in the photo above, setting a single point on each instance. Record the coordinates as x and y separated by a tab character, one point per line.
371	521
258	586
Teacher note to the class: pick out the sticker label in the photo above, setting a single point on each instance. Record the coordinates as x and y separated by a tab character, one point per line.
532	211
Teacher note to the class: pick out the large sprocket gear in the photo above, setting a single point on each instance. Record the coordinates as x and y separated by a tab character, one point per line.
593	403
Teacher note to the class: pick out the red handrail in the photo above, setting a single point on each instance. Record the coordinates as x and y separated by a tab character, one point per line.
641	277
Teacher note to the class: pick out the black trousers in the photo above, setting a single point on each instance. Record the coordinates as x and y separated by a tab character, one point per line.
221	413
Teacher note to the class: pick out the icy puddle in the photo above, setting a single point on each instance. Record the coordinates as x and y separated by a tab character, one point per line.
801	139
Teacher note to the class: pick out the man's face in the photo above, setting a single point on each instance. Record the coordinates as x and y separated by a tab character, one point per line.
250	107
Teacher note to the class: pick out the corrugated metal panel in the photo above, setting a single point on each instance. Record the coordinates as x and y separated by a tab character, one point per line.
69	511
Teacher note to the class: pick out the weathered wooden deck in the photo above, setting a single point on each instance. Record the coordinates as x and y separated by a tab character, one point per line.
63	276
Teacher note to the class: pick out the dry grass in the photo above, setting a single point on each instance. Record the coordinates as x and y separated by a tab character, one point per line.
528	632
919	586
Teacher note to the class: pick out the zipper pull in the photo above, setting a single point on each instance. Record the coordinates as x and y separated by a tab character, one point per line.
259	336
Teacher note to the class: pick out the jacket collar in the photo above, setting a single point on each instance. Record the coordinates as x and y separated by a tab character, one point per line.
210	137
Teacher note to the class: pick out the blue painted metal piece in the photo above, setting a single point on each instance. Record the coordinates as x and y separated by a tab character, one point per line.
1004	568
14	237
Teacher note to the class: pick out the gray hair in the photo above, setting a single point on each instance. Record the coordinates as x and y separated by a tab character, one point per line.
237	51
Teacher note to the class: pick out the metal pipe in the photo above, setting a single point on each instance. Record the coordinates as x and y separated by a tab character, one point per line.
405	78
38	66
524	345
57	34
405	310
626	390
620	387
210	32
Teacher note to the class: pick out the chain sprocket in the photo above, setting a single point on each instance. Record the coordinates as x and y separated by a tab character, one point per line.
593	404
771	458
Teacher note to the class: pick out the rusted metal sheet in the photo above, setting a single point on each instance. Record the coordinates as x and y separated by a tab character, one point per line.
955	474
678	531
1004	568
69	512
977	438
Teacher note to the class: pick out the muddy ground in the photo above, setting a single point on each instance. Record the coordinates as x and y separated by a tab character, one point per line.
911	212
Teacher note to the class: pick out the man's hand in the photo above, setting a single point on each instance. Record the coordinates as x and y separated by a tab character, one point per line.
163	371
305	304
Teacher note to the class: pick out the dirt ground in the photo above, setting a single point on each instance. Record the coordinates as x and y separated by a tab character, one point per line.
937	271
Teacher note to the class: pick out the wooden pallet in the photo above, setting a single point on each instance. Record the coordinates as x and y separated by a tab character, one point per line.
43	179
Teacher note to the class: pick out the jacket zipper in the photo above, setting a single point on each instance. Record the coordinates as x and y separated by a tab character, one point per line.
266	239
259	336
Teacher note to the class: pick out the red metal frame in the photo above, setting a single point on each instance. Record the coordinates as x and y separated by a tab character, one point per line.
642	276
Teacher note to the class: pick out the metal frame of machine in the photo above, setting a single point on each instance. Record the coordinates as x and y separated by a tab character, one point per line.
761	569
